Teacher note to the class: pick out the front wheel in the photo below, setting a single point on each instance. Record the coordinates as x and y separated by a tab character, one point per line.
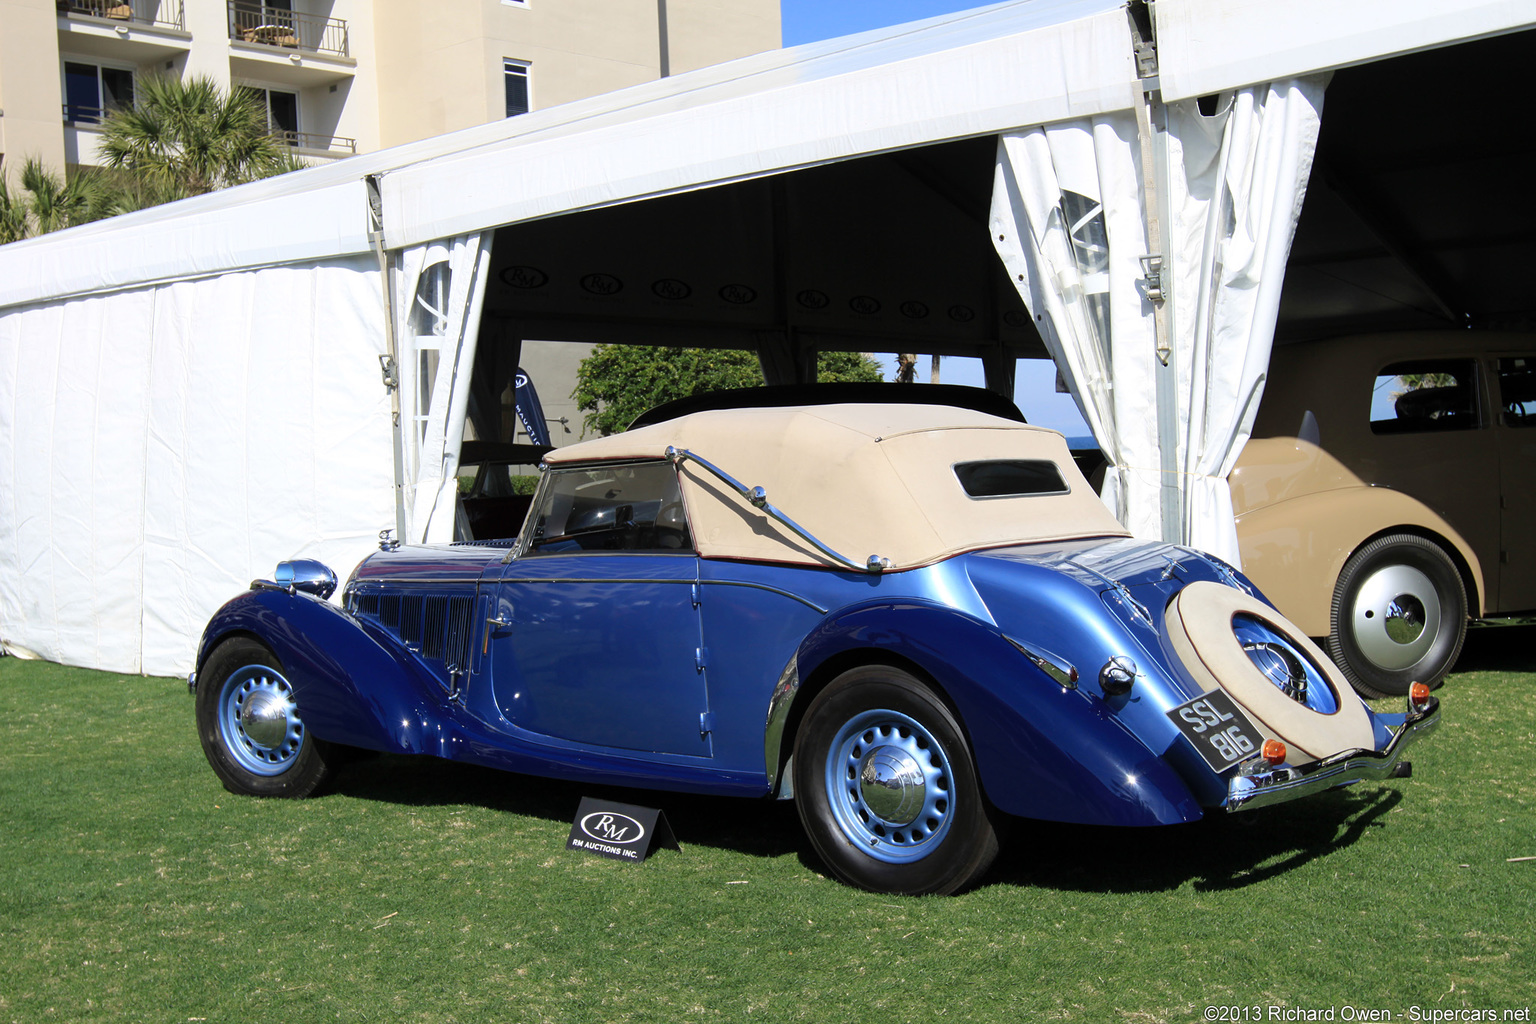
886	786
250	727
1399	615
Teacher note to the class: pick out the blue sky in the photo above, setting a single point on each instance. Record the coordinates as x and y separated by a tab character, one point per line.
807	21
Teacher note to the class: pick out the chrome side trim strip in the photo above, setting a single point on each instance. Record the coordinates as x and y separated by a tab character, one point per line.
468	582
1062	671
758	498
772	590
1282	784
690	581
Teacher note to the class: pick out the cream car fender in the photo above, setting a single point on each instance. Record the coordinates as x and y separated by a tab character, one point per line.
1295	549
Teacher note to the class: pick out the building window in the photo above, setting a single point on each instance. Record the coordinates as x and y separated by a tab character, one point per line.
92	91
516	75
282	112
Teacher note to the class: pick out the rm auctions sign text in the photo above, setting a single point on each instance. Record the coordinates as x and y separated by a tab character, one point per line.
618	831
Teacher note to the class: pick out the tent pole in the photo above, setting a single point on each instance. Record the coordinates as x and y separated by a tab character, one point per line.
1152	127
390	361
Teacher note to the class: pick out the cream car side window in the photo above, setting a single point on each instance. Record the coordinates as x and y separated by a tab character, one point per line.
1425	395
1517	390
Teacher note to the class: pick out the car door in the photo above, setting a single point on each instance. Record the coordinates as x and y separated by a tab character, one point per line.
593	634
1431	437
1516	430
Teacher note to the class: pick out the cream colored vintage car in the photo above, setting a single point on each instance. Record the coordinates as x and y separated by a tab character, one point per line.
1388	493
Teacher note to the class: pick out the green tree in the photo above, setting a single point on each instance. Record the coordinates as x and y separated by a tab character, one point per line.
189	137
13	213
616	383
45	202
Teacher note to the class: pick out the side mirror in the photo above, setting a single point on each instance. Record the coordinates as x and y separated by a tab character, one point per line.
307	575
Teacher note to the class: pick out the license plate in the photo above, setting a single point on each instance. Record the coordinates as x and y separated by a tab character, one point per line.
1220	730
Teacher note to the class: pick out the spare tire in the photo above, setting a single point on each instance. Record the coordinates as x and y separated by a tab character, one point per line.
1204	623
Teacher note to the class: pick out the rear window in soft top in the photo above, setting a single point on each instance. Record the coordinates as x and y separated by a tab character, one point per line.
1010	478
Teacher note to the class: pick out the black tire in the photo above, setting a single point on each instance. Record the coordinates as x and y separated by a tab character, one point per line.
1399	615
250	729
886	787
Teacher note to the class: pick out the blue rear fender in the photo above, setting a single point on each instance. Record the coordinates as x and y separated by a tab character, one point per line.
349	687
1042	750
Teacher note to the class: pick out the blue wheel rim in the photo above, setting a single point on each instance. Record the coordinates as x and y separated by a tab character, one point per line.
888	785
258	723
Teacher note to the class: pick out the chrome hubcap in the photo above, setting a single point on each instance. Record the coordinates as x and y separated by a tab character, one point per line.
888	786
1395	617
1405	619
892	785
264	718
1280	667
1280	661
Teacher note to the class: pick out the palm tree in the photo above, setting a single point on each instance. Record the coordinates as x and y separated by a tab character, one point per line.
186	138
45	202
13	213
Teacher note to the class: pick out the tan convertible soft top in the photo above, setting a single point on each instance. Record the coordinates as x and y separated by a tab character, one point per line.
863	479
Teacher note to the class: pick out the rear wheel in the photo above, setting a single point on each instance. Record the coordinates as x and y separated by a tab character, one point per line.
250	727
887	789
1399	615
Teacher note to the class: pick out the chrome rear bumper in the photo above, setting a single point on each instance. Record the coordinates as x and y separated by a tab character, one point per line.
1245	792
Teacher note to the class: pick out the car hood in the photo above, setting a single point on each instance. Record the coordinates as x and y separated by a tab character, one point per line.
437	563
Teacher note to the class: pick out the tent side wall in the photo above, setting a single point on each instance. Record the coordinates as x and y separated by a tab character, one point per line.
162	446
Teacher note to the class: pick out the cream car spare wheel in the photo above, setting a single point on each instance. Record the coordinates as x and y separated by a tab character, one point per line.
1200	626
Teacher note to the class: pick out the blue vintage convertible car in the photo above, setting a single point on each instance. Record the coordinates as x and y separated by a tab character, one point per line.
913	620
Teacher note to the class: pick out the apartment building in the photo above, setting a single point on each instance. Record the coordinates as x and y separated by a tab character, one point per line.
346	76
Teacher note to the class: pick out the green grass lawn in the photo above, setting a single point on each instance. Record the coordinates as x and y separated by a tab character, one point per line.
134	888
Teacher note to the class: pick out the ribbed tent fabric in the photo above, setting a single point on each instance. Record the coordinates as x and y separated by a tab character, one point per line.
190	393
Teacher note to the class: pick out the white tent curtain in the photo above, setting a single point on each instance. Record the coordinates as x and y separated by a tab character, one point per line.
438	292
1245	175
1066	219
161	447
1068	222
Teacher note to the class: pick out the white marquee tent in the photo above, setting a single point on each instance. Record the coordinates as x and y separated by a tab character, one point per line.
191	393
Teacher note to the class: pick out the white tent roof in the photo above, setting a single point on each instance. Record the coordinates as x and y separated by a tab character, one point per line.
1207	46
1009	65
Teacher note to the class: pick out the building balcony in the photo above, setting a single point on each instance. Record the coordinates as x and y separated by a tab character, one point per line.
139	31
83	131
313	145
283	29
160	13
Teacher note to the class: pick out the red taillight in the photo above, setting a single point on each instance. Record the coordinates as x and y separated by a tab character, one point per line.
1273	751
1418	696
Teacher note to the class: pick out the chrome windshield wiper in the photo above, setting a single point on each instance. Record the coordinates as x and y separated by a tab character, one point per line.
759	500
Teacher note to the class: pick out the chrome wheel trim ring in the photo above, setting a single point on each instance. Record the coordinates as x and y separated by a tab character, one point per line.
1395	617
888	786
258	722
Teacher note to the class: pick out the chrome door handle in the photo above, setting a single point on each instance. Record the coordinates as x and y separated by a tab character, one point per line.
491	625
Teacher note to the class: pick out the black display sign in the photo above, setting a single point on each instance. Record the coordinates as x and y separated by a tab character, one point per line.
619	831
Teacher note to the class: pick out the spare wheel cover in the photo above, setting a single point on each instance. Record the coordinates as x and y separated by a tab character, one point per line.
1199	622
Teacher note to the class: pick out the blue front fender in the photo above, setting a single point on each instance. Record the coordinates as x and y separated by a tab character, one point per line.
327	655
1043	751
